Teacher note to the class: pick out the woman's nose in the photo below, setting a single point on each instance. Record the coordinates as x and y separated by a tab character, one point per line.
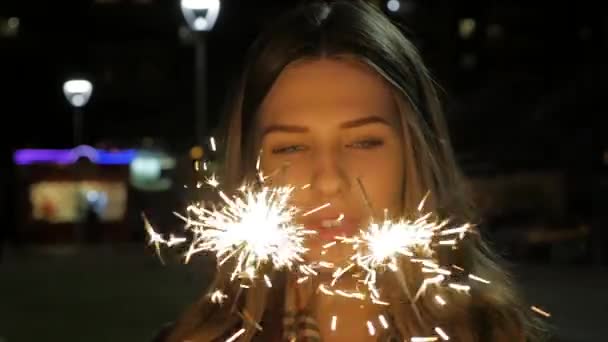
329	178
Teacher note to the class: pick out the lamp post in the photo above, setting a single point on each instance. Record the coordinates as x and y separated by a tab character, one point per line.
77	92
200	15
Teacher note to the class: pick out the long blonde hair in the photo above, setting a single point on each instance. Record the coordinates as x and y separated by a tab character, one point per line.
359	30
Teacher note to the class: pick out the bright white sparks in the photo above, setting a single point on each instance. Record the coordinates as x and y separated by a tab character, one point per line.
476	278
540	311
370	328
212	142
381	246
218	297
383	321
460	287
316	209
236	335
440	300
334	322
254	227
442	334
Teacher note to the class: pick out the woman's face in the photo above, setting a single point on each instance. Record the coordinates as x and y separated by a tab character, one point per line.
327	126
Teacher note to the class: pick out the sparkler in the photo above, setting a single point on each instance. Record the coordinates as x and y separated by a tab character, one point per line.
254	227
383	245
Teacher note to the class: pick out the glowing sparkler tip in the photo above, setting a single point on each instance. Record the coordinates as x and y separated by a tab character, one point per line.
218	297
370	328
212	142
312	211
481	280
540	311
236	335
383	321
267	280
334	322
212	181
424	339
442	334
440	300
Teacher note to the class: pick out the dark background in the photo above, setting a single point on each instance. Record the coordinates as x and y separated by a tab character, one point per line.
525	102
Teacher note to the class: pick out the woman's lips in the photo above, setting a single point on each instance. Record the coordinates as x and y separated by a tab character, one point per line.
329	229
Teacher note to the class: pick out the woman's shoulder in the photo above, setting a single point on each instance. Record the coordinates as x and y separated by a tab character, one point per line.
162	334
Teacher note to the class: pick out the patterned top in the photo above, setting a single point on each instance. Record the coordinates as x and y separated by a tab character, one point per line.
301	326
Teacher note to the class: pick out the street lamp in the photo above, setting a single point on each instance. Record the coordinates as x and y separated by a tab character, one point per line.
77	92
201	16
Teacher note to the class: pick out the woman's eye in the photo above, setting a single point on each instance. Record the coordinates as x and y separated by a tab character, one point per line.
366	144
288	149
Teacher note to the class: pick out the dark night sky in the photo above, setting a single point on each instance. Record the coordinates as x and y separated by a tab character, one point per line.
532	98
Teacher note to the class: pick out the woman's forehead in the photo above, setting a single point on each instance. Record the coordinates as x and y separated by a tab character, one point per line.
329	85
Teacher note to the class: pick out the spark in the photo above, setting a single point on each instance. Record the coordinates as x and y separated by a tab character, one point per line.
334	321
429	281
204	166
371	329
236	335
451	242
383	321
440	300
429	263
212	181
442	334
330	244
458	230
308	270
339	272
306	186
212	141
325	290
459	287
302	279
244	286
379	302
267	280
421	204
326	264
157	239
443	271
540	311
218	297
355	295
481	280
424	339
316	209
375	292
458	268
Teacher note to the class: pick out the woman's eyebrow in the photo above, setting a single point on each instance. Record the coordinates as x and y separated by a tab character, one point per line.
284	129
365	121
374	119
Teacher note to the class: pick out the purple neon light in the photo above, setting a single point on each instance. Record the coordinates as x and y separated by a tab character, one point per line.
102	157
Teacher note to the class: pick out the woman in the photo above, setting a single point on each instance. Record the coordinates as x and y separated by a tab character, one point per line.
341	102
